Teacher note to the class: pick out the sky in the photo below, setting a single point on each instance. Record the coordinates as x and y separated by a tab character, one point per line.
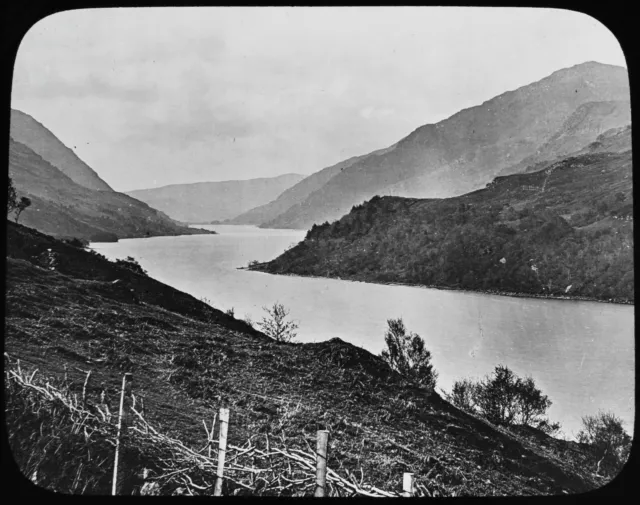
155	96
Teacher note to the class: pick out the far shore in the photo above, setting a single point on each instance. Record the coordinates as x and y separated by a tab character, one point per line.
447	288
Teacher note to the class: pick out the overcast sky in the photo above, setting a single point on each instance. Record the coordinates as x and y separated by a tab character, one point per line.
149	97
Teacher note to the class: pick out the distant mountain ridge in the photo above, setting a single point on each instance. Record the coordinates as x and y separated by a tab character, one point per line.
465	151
42	141
295	195
212	201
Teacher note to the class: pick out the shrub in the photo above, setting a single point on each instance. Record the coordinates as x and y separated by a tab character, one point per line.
463	394
21	206
505	399
231	312
407	355
276	325
12	203
131	264
607	439
75	242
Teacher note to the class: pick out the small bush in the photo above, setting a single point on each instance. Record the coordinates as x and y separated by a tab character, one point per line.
607	439
407	355
505	399
132	264
275	324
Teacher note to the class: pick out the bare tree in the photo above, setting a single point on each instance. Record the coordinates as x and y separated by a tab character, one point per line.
276	325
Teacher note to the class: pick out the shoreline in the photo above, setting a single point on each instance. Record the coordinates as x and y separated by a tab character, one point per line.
445	288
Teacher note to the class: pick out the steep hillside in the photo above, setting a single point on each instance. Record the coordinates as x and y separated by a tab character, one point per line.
207	201
467	150
62	208
563	231
71	311
577	132
39	139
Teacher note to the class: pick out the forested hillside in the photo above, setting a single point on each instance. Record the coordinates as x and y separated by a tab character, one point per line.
566	230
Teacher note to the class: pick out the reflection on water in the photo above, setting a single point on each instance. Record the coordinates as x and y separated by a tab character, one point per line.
581	354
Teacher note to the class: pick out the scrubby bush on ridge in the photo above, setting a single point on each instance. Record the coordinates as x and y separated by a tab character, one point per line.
504	399
407	355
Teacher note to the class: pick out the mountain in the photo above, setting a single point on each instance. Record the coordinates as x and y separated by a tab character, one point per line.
39	139
580	129
207	201
467	150
76	328
566	230
295	195
63	208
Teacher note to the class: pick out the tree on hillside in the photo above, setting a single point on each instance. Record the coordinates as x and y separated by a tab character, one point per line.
608	440
505	399
276	325
23	204
406	354
12	203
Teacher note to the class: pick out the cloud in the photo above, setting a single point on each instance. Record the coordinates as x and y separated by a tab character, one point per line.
92	87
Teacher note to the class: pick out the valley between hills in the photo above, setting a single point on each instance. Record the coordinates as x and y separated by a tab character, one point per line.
527	194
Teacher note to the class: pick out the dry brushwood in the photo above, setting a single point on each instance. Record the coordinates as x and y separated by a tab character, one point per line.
286	471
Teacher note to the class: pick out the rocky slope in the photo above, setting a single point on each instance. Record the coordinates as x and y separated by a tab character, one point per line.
467	150
203	202
578	131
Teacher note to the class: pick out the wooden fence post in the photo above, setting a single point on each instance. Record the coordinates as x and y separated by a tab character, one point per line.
222	450
407	485
321	463
123	419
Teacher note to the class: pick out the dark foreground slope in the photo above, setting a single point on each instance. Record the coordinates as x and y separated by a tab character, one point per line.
563	231
63	208
188	359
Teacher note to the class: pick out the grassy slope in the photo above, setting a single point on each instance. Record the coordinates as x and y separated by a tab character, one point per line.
63	208
573	231
189	359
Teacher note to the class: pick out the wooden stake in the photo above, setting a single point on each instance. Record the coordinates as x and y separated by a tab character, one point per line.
321	463
123	419
407	485
84	388
222	451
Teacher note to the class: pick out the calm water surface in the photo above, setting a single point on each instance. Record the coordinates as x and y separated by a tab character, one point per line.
581	354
